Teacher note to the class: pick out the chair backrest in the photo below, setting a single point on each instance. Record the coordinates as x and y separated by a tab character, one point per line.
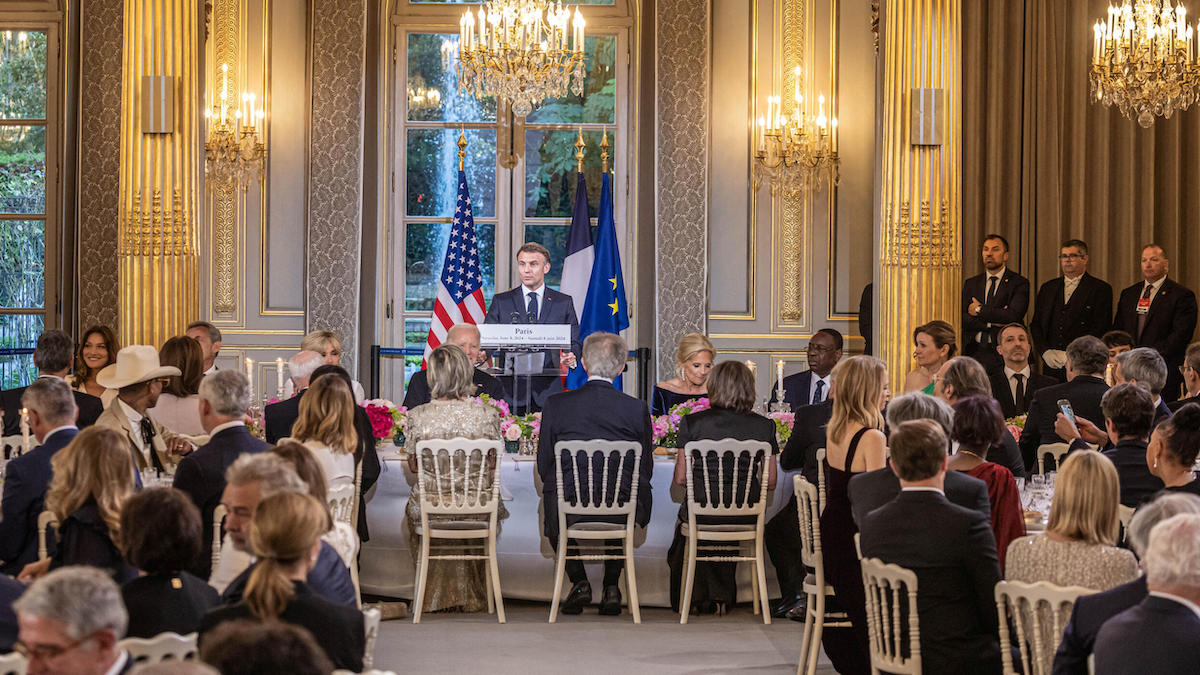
459	476
341	502
1055	450
895	639
1125	513
10	446
371	619
1039	612
820	480
46	520
810	525
591	474
726	475
358	469
218	521
161	647
13	664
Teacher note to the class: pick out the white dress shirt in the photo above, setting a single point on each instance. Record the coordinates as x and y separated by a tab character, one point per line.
1012	381
222	427
1154	286
540	292
1069	286
923	488
987	281
119	664
55	430
812	388
135	427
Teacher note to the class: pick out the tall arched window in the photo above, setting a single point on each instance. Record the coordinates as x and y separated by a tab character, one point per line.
521	171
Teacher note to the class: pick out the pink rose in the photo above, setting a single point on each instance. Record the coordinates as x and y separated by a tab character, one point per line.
512	433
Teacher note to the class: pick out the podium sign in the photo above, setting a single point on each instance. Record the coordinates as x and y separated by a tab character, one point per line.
524	336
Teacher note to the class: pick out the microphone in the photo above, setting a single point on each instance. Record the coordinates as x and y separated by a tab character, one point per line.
515	317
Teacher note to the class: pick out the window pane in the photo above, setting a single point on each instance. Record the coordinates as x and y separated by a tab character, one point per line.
22	263
551	172
22	74
18	331
23	169
554	238
416	333
433	93
424	252
432	180
599	88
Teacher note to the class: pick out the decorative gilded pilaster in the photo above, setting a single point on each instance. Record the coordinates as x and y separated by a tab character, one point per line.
920	260
157	243
796	216
224	49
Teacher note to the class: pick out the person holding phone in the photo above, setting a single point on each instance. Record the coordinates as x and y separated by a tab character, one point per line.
1087	357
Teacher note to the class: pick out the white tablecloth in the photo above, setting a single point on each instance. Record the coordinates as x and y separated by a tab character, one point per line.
526	560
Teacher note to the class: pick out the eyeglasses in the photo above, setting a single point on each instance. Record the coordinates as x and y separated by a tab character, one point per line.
1183	370
1069	256
821	350
47	652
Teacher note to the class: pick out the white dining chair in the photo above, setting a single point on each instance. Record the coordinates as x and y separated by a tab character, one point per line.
603	469
45	521
816	589
459	491
1055	450
371	618
820	481
218	521
161	647
13	664
889	633
726	472
1039	612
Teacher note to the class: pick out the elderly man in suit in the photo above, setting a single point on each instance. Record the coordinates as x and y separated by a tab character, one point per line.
52	414
1161	634
997	297
1091	611
534	302
1159	313
52	356
138	379
71	621
465	335
950	548
595	411
1087	358
1013	385
279	417
224	397
1191	377
1068	307
812	386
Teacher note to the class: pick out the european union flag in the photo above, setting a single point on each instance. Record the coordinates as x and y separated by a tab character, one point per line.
604	307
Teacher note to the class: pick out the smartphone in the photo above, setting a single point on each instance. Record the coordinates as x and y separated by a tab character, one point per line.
1065	406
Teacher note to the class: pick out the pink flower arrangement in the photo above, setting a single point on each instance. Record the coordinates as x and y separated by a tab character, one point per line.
497	403
387	419
515	427
783	425
1015	426
666	427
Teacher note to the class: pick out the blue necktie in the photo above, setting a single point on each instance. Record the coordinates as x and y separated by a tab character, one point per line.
532	308
817	398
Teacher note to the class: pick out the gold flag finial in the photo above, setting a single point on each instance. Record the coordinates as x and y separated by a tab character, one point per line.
462	147
604	152
579	154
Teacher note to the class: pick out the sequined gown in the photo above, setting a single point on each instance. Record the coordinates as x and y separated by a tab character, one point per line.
450	583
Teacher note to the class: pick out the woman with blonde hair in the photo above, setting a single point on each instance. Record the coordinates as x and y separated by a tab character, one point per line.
934	343
341	536
694	357
92	477
1079	545
326	427
97	349
285	534
178	406
854	444
328	344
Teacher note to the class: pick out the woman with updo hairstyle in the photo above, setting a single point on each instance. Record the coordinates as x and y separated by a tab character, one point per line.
178	407
97	349
1173	447
934	344
694	359
328	344
285	534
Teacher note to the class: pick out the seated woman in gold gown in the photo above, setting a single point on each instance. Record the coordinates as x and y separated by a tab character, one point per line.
451	584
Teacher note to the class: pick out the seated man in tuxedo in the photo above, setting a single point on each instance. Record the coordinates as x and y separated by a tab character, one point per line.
534	302
1091	611
997	297
871	489
1191	377
812	386
950	548
52	356
278	418
963	376
465	335
1161	634
1068	307
1013	385
26	478
224	397
1087	358
595	411
1159	313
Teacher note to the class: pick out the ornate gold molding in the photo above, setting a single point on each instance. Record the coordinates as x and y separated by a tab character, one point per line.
155	231
796	214
228	17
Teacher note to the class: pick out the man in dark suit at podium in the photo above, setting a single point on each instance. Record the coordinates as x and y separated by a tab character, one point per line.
812	386
990	301
1069	306
534	302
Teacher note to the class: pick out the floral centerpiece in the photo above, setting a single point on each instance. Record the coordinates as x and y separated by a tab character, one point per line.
666	427
522	430
783	426
387	419
1015	426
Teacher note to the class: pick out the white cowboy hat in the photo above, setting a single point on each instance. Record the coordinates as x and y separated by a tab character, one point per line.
135	363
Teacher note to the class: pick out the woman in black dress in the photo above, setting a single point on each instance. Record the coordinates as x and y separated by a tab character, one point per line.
1172	451
731	389
695	358
854	443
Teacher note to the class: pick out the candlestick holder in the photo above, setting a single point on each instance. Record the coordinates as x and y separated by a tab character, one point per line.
781	407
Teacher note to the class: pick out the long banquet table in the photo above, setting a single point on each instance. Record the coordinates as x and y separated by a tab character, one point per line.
526	560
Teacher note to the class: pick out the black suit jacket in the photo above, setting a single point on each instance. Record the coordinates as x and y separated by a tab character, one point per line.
25	483
10	591
158	603
953	553
417	392
872	489
719	424
1007	306
808	436
89	407
1170	630
1084	392
201	474
557	308
1089	312
1137	483
83	539
1004	396
1170	324
1087	616
796	390
595	411
866	312
1174	407
337	629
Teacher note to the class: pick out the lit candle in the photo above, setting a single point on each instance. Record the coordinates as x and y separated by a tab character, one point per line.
1096	45
779	378
753	370
250	375
762	130
579	22
26	443
279	376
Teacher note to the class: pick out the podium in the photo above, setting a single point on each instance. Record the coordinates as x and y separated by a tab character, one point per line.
520	354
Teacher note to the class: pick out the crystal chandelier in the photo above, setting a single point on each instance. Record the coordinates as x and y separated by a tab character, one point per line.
796	150
1144	60
520	51
234	154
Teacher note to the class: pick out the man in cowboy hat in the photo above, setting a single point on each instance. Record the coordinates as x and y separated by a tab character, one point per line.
138	379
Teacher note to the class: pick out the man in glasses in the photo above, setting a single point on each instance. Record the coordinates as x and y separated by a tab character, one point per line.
812	386
1069	306
1191	377
70	621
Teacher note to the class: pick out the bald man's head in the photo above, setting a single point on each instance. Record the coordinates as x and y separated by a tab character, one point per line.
466	335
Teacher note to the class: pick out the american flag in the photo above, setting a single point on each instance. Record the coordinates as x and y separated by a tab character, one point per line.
460	293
